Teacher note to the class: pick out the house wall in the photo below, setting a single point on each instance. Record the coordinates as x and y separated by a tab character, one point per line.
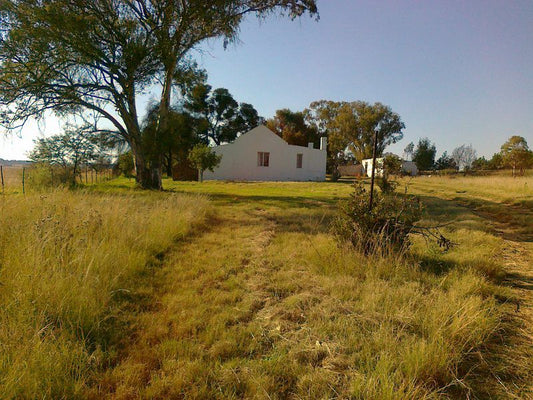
367	167
239	159
409	168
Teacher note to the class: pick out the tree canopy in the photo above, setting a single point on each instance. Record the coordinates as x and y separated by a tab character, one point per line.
424	155
97	56
203	157
292	127
515	154
221	118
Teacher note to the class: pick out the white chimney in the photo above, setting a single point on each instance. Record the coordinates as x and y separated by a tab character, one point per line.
310	145
323	143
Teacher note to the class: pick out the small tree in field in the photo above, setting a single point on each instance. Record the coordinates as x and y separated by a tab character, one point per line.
68	150
464	156
516	154
424	155
203	157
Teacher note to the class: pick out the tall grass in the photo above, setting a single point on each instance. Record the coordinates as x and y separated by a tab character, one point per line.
67	262
267	305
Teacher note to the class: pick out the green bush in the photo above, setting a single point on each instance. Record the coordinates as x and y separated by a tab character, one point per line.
384	228
42	175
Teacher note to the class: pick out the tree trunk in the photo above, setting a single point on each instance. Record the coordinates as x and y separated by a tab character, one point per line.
169	163
147	174
201	174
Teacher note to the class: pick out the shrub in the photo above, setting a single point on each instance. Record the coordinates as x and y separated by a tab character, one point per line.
386	185
42	175
384	228
125	164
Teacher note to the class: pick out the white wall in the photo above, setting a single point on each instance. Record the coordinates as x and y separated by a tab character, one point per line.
367	166
239	159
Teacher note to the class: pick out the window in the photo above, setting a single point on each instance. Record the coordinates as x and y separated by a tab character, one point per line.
263	159
299	160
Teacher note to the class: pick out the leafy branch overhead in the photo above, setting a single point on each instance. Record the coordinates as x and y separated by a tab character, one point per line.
97	56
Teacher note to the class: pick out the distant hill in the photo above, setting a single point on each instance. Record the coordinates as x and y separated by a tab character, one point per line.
14	163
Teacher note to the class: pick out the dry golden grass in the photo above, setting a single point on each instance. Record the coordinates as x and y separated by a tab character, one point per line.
260	302
265	304
70	262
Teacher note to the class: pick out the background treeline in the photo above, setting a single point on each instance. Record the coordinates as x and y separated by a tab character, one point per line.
514	154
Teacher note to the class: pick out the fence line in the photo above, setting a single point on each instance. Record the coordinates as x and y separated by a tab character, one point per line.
22	178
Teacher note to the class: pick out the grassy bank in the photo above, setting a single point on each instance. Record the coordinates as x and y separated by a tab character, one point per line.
71	263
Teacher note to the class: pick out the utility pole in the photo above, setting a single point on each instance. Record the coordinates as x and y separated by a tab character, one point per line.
374	151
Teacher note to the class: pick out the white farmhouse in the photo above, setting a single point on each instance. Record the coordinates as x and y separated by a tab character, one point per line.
261	155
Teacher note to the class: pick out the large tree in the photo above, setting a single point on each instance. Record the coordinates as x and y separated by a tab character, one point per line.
292	127
97	56
322	115
175	142
220	117
352	125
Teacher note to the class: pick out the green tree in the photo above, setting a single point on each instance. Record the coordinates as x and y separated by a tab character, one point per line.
496	161
221	117
409	151
322	115
125	164
392	164
480	164
359	120
516	154
424	155
203	157
98	56
350	128
445	162
292	127
69	150
180	136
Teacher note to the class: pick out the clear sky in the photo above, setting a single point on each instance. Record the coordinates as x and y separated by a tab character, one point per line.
456	71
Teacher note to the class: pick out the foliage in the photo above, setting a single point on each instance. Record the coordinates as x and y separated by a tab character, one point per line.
464	156
424	155
292	127
392	164
480	164
175	142
516	154
125	164
69	150
203	157
72	56
220	118
350	128
445	162
409	151
496	162
384	228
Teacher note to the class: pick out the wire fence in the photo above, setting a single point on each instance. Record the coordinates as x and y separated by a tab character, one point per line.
20	179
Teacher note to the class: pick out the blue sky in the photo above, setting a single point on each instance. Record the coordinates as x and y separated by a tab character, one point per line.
456	71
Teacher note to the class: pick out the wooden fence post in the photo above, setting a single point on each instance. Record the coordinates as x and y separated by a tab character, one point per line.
23	180
2	175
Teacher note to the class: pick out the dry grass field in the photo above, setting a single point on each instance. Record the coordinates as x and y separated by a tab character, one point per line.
238	290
